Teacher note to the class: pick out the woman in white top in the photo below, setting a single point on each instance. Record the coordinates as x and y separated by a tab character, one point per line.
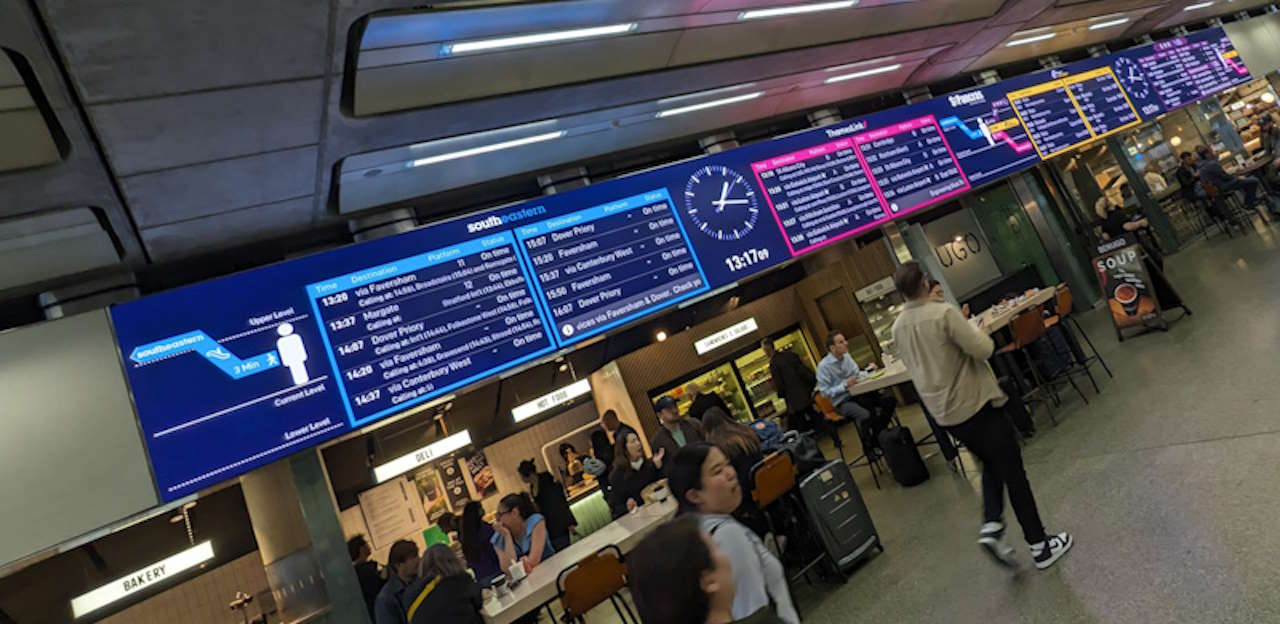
705	483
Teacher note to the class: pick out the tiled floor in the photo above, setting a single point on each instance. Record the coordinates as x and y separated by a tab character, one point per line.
1167	479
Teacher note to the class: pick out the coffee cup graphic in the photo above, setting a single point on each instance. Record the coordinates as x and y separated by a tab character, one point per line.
1127	295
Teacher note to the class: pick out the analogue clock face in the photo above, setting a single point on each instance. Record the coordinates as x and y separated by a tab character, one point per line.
1132	77
721	203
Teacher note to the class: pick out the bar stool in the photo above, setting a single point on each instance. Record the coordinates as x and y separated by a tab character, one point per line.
773	482
870	452
589	582
1027	328
1064	320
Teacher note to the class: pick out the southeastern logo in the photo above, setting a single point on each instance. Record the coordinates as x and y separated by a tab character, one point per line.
480	226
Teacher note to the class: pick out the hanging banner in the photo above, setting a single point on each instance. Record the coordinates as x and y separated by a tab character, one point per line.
1128	287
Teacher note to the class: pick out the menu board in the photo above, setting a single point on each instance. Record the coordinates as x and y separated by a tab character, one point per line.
239	371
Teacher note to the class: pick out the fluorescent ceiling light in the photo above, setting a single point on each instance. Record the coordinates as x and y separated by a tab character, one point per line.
702	94
517	41
422	456
795	10
671	112
1032	39
1109	23
551	400
485	149
863	73
1197	6
141	580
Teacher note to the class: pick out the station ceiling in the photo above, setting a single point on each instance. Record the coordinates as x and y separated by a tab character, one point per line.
193	129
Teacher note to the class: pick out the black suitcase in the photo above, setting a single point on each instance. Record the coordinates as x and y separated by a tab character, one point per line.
838	514
902	456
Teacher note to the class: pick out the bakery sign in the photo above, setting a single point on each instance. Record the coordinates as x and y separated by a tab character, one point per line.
141	580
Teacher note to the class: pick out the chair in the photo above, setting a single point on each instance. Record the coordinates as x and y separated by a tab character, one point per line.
1063	316
589	582
1027	328
773	482
832	420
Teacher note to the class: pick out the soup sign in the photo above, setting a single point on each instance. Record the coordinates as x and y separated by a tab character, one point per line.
1126	284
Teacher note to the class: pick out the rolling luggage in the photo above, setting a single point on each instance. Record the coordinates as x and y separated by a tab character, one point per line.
902	456
838	514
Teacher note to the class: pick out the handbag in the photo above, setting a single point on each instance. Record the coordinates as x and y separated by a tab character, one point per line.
804	451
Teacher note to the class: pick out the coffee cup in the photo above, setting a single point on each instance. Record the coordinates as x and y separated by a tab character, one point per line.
516	572
1127	295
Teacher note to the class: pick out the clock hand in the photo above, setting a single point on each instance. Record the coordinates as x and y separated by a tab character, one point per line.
731	201
724	192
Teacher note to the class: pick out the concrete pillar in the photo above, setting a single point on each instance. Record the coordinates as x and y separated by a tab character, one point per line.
986	77
89	295
563	180
917	94
284	543
717	143
387	223
1098	50
824	117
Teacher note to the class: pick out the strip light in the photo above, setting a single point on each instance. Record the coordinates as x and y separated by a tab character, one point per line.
1032	39
519	41
1109	23
861	74
141	580
485	149
1197	6
671	112
422	456
795	10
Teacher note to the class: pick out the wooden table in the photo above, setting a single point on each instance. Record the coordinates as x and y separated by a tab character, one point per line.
539	588
992	321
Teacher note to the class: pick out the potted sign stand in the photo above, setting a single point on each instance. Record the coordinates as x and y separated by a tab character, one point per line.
1137	292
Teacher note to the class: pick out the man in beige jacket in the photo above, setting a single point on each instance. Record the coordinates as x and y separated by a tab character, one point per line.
947	358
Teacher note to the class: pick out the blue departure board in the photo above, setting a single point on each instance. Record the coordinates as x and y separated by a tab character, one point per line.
237	372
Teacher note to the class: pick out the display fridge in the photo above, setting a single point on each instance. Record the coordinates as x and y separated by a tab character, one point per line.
742	379
881	303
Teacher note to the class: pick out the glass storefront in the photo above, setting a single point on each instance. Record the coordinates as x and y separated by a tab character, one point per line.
742	380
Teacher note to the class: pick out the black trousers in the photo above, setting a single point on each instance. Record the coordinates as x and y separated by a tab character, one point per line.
990	437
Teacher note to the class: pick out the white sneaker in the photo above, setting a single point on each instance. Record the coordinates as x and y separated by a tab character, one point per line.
1048	552
991	539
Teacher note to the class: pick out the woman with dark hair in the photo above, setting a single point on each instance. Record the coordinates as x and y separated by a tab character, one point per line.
520	533
695	588
444	593
632	472
551	501
476	537
705	483
742	446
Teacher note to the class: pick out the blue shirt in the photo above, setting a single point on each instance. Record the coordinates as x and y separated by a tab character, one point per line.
525	542
832	374
388	607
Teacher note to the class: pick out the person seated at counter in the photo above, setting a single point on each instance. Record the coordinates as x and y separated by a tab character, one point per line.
551	501
706	485
632	473
402	569
837	375
477	544
444	593
1211	172
695	588
520	533
701	401
676	430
